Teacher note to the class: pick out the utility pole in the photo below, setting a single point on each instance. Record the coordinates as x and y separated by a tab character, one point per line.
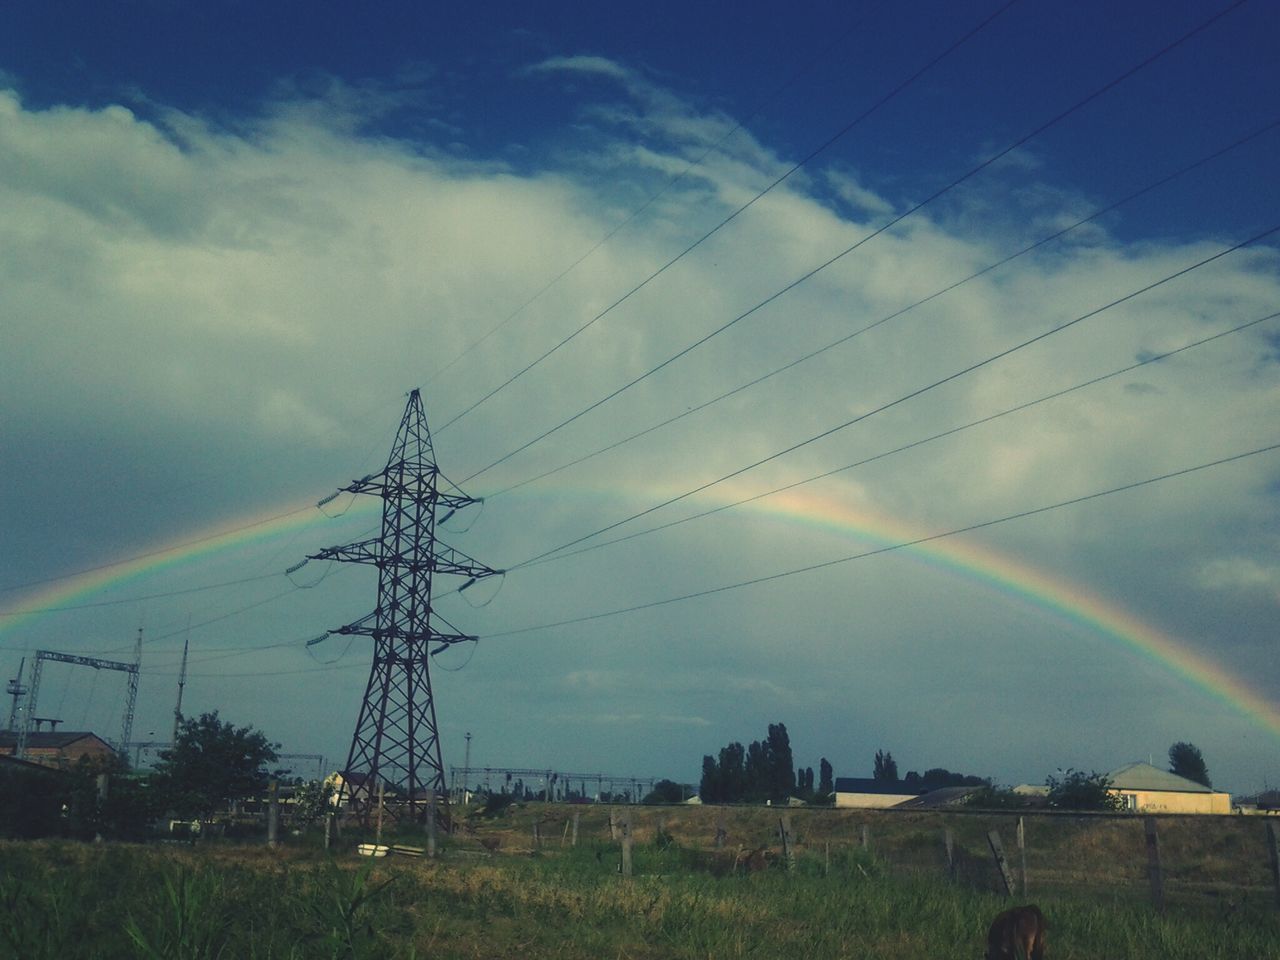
466	770
18	690
396	740
182	682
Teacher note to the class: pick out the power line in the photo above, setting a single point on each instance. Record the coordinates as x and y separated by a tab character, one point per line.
915	443
1023	514
913	394
810	64
1100	91
138	599
1101	211
725	222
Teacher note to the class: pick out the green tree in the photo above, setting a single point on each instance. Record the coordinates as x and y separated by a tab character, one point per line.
826	778
1185	760
886	767
211	764
665	791
1077	790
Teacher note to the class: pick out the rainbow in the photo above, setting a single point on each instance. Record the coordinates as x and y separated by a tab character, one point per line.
68	592
1016	581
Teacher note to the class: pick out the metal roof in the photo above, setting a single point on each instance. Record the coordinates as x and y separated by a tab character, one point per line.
895	788
1143	776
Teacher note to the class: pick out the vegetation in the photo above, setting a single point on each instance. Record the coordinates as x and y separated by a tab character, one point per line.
1185	760
886	767
211	764
1077	790
686	900
763	771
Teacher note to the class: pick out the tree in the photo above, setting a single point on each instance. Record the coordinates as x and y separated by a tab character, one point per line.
886	767
1185	760
826	778
211	764
665	791
1078	790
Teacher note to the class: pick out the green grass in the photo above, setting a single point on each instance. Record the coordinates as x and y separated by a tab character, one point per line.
69	901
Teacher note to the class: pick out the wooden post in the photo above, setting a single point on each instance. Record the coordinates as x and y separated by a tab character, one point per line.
1022	853
949	844
1154	873
104	787
721	833
1273	847
613	825
381	787
826	858
431	823
788	847
1002	865
626	844
328	829
866	836
574	842
537	834
273	813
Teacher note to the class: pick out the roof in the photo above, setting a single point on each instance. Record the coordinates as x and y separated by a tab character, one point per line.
893	788
942	797
1143	776
45	740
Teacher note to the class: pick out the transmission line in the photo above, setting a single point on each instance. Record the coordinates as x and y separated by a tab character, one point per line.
918	541
908	446
1100	91
725	222
1101	211
913	394
652	198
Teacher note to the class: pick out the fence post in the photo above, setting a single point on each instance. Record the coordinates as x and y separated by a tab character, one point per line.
721	833
328	830
948	842
431	823
826	858
866	836
788	847
104	787
537	834
273	813
575	828
1002	865
626	844
1022	854
613	825
1273	846
1154	873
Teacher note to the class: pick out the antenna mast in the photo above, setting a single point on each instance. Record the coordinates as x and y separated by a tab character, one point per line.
182	682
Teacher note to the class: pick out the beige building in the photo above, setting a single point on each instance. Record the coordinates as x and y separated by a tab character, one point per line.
1148	789
863	793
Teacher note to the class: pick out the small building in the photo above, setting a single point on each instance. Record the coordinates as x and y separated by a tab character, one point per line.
867	793
1148	789
57	749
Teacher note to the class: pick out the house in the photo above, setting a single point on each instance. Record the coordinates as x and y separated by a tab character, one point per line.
1148	789
57	749
866	793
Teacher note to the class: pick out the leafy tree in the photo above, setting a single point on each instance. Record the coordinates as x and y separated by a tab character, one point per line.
939	777
211	764
1185	760
709	789
826	778
779	764
1077	790
886	767
665	791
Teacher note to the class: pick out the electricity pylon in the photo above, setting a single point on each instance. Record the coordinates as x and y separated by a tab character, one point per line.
396	742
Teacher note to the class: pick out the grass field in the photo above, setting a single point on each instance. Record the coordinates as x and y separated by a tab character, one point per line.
223	899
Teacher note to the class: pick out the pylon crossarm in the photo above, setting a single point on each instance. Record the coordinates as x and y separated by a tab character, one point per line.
449	560
366	551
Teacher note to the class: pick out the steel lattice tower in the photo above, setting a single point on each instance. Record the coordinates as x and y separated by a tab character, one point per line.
396	739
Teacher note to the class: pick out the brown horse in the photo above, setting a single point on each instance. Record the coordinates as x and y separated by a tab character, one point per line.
1017	934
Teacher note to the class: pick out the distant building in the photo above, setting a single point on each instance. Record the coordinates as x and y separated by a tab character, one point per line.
1148	789
866	793
58	750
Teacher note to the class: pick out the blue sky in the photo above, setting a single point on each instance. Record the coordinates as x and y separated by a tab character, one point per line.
235	235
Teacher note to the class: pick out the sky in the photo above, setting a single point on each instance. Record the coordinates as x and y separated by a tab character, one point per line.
905	373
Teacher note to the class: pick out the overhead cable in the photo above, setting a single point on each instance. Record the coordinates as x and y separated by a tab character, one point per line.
918	541
896	220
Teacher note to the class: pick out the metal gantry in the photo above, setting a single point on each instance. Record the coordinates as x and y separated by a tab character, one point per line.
396	742
131	696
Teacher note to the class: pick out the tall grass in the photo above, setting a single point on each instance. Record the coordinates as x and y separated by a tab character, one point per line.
70	902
